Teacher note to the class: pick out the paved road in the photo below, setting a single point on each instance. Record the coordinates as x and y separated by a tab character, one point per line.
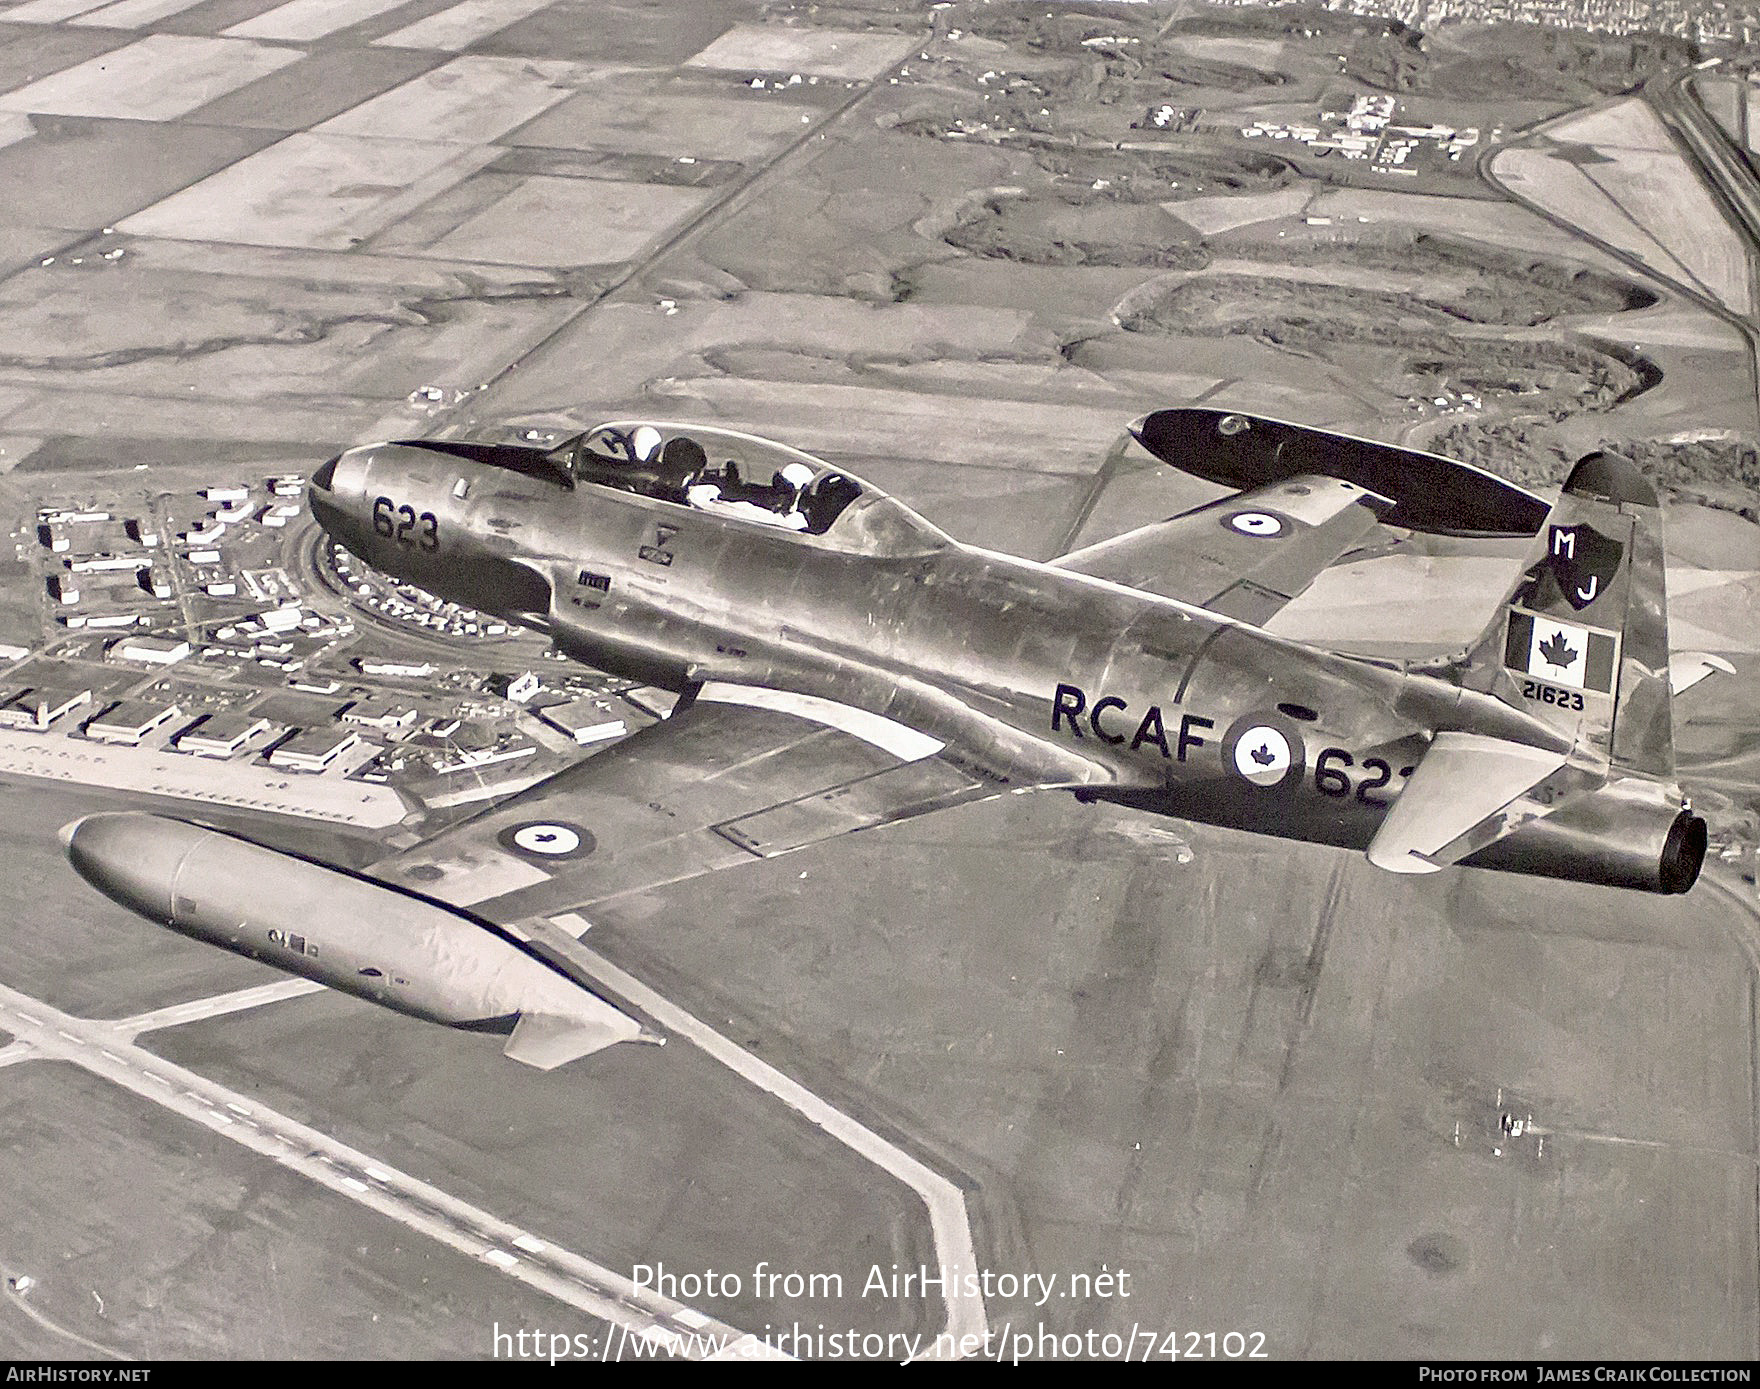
106	1049
948	1217
1719	165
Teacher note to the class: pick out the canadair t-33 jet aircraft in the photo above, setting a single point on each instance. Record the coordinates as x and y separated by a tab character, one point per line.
842	664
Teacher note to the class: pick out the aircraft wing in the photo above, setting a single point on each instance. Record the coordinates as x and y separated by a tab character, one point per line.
1470	791
1244	556
715	785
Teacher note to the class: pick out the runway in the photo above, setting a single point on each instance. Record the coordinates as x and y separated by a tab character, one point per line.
106	1049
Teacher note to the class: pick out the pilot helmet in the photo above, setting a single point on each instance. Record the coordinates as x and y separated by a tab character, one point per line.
645	442
796	475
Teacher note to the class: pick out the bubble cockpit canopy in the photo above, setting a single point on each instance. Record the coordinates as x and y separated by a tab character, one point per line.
743	477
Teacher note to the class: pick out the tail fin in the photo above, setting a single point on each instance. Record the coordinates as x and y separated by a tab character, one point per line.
1580	643
1582	639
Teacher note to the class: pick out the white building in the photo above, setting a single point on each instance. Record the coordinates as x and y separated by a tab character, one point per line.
221	735
314	749
584	720
381	714
37	709
104	564
153	651
130	721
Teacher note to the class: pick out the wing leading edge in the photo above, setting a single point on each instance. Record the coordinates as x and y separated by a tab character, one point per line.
716	785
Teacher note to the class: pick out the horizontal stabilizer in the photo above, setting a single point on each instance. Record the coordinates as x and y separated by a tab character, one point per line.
1687	668
545	1041
1464	780
1244	556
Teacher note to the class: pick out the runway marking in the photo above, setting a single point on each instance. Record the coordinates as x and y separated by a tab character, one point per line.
200	1009
948	1218
586	1286
16	1051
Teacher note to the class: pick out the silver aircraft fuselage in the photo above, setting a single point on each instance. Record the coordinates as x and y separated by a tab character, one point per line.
1032	675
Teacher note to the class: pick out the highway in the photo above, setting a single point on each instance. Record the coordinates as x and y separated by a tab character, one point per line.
1720	167
107	1049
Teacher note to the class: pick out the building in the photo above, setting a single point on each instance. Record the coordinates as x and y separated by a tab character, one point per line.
283	619
394	668
381	714
152	651
38	708
314	749
522	689
221	735
484	757
99	564
584	720
131	720
205	534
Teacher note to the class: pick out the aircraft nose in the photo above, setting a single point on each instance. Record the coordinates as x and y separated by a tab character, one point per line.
333	491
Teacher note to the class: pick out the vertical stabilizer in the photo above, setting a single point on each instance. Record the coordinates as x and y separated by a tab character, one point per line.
1582	639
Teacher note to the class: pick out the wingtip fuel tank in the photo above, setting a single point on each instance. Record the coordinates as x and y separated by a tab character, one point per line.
397	949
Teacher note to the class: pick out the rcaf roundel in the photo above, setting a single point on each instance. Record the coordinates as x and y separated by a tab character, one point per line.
1261	525
1264	750
548	839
